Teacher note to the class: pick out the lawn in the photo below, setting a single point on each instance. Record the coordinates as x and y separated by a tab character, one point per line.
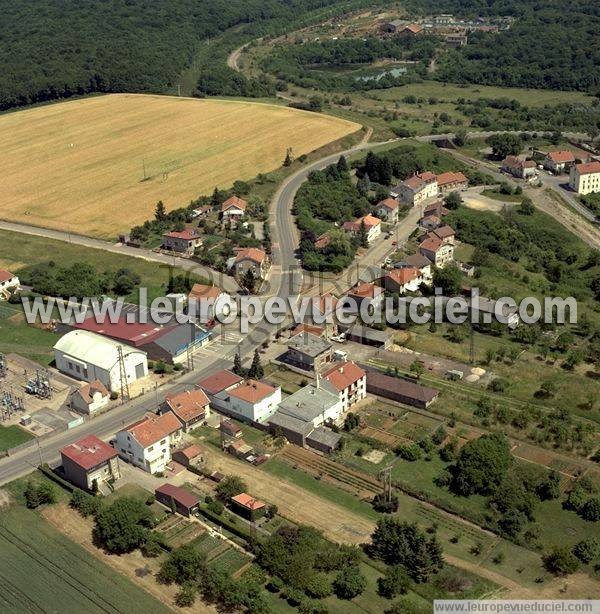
72	165
11	436
16	336
41	570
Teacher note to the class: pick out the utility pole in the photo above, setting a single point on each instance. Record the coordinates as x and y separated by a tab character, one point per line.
144	168
386	477
123	375
178	89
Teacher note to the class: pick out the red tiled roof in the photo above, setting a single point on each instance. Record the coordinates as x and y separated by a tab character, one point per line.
444	232
388	203
202	291
191	451
307	328
88	390
419	179
234	201
251	253
366	290
446	178
588	167
431	244
324	304
560	157
134	333
153	428
343	375
217	382
230	427
431	218
89	452
181	495
322	241
370	222
252	391
404	275
188	405
187	235
248	501
515	162
413	27
5	275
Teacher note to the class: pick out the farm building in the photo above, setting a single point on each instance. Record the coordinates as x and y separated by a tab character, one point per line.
247	506
190	407
89	463
90	398
323	439
308	352
89	357
147	443
170	343
401	390
177	498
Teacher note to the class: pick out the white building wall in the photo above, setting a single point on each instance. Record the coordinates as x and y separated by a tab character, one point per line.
257	412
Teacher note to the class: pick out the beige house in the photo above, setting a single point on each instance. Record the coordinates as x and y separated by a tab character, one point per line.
8	282
518	168
585	178
440	253
371	223
451	182
417	189
387	210
90	398
400	281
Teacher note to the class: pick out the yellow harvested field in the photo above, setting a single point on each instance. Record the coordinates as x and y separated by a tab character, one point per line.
79	165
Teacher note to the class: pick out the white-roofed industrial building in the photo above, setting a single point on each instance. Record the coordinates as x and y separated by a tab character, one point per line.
88	357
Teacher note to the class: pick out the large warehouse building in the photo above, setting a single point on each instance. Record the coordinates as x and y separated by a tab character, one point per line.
88	357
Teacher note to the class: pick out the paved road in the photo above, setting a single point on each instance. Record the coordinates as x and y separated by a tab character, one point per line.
226	282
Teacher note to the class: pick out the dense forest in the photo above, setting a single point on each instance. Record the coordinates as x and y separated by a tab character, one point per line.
53	49
551	45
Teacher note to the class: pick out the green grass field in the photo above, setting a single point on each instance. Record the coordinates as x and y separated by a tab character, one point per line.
11	436
43	571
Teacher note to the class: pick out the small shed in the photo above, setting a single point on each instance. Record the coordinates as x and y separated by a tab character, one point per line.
184	502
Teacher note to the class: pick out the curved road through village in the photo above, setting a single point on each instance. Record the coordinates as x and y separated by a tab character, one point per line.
285	281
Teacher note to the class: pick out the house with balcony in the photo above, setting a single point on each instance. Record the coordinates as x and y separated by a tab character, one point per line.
89	463
416	189
348	381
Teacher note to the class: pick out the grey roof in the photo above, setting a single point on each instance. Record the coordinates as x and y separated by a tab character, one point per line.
289	422
396	22
309	344
178	338
370	333
324	436
487	305
308	403
417	260
400	386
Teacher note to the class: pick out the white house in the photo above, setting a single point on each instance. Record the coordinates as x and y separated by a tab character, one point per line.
90	398
387	210
585	178
233	208
403	280
89	357
254	400
371	223
147	443
348	381
208	302
416	189
8	281
559	161
240	398
440	253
